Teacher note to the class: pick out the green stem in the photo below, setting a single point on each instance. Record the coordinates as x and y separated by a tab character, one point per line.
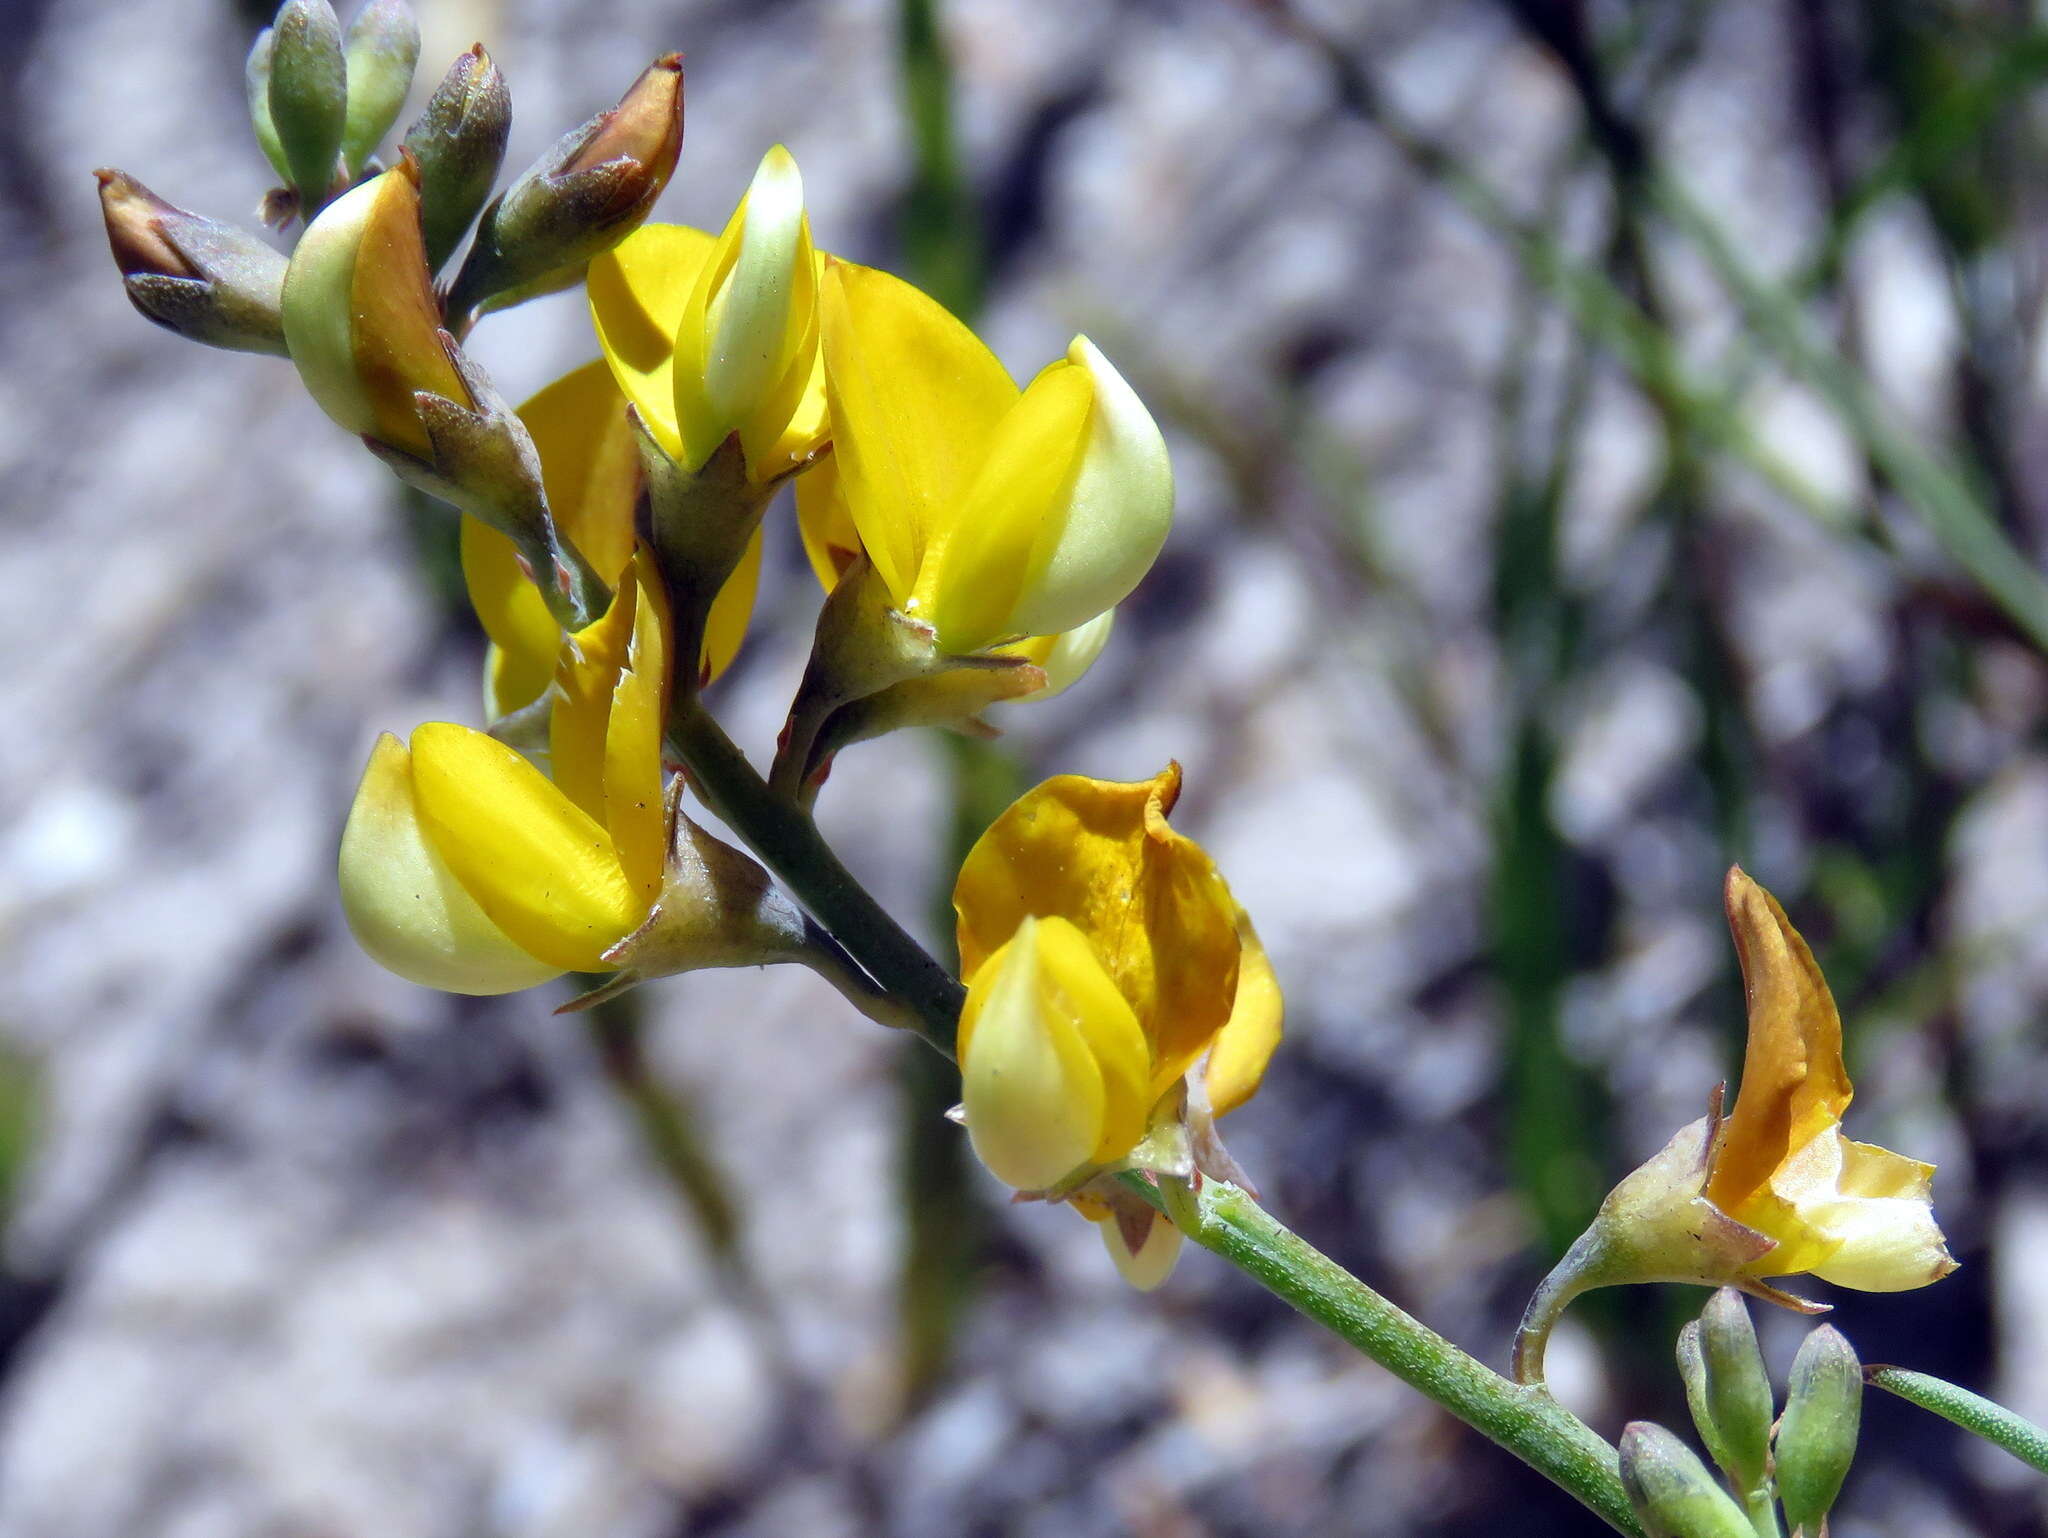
1973	1412
1761	1506
785	839
1526	1421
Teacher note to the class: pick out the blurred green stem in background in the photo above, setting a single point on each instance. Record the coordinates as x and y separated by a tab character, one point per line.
943	1226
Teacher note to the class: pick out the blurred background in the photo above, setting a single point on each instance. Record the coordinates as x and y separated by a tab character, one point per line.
1610	439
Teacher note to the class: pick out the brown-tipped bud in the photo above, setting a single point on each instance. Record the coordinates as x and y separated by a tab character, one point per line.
202	279
383	50
360	317
584	196
308	96
459	142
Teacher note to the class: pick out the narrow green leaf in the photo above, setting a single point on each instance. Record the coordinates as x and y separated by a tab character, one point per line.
1973	1412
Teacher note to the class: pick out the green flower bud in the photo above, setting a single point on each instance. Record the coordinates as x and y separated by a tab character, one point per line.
383	49
1692	1371
1738	1389
459	142
308	96
202	279
584	196
1817	1438
256	77
1673	1494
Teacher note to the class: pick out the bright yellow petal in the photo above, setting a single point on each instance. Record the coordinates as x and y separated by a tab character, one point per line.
1794	1085
588	463
638	292
1237	1061
632	743
524	636
731	611
403	903
1150	902
915	401
542	869
586	673
1032	1092
984	558
822	517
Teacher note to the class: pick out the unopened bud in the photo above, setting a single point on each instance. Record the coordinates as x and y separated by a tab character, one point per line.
1738	1388
1673	1494
1817	1438
459	142
383	49
308	96
256	77
202	279
584	196
360	317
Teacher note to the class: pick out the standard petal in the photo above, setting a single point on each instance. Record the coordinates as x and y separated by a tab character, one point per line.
986	556
543	869
1033	1095
1237	1061
1794	1084
1118	510
524	636
405	906
916	398
638	292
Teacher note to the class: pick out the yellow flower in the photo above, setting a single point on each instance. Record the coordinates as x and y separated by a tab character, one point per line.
592	475
1104	957
988	513
711	336
1774	1188
464	868
1849	1213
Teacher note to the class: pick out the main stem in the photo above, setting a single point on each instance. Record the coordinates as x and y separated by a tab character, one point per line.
1223	1219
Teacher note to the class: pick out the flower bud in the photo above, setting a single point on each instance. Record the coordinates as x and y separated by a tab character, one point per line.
1143	1246
1673	1494
256	79
757	316
459	142
383	50
202	279
308	96
360	317
1738	1389
584	196
1817	1438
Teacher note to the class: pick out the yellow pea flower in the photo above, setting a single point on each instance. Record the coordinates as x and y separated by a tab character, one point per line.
1104	957
591	472
464	868
989	513
1774	1188
714	335
1849	1213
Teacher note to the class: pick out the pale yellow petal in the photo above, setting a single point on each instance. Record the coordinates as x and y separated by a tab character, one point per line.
542	869
1072	653
1074	986
981	561
1118	511
754	322
638	292
916	398
1032	1091
405	906
1148	1268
